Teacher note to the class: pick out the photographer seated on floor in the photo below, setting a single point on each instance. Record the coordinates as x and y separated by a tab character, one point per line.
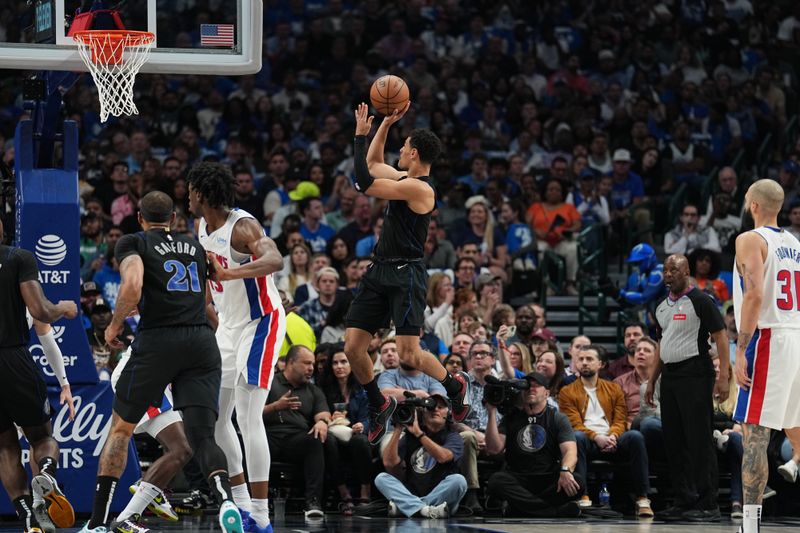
539	477
421	461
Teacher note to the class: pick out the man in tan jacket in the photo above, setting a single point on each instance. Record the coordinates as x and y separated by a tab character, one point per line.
597	411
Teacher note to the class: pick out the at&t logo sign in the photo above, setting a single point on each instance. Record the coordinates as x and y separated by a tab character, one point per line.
51	250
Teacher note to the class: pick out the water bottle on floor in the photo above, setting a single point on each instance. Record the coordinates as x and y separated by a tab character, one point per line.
604	498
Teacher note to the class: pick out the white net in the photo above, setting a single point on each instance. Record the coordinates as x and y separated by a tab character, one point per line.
114	58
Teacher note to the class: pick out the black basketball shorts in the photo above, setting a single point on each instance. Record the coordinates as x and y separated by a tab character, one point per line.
185	356
23	391
390	291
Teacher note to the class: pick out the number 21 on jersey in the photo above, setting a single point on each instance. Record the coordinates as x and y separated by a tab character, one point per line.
789	284
184	277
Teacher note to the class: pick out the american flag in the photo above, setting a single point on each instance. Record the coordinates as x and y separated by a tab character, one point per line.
216	35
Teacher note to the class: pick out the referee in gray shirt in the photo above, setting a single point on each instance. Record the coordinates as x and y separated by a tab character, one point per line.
686	318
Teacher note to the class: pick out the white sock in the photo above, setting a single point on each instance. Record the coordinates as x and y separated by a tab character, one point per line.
260	512
752	518
241	497
141	499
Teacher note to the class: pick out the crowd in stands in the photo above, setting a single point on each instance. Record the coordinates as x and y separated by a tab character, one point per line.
556	116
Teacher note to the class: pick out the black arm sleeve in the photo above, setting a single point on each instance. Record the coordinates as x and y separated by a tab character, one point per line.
363	179
127	245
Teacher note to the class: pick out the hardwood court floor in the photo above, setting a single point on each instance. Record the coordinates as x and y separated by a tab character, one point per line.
336	523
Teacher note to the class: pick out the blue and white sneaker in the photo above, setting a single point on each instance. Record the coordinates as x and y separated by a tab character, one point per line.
230	520
251	526
98	529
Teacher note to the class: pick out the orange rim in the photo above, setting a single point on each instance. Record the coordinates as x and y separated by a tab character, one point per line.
131	38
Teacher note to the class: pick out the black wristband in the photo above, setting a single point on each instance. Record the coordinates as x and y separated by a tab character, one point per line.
363	178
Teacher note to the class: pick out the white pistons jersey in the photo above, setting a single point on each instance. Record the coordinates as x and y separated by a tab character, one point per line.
238	301
780	306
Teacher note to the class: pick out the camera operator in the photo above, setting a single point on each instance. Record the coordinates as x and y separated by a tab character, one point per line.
421	462
539	476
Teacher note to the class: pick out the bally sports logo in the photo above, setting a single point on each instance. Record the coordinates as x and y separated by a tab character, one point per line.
51	250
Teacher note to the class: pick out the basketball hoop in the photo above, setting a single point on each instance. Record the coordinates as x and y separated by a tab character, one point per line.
114	57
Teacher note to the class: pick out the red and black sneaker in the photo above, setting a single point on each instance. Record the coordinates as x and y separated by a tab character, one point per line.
460	402
379	419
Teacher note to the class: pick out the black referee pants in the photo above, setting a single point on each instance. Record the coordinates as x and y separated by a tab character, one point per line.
687	416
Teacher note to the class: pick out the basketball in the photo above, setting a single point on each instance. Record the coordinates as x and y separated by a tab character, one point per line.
388	93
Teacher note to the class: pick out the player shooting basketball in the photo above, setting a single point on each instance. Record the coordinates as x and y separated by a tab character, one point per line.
394	286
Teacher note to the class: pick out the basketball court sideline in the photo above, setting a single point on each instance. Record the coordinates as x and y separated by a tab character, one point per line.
336	523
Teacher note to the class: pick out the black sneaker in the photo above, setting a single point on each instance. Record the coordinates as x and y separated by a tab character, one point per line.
313	510
129	525
379	419
471	502
196	502
702	515
568	510
671	514
460	402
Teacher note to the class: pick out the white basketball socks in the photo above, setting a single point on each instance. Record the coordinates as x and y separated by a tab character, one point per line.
140	500
752	519
241	497
260	512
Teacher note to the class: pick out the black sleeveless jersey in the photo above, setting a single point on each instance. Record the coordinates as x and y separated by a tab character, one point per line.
174	284
404	231
16	266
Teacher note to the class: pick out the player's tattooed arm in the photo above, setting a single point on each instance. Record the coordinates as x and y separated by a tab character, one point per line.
743	341
755	469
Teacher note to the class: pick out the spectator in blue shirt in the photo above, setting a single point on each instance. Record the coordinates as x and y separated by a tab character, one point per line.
313	230
627	190
108	279
479	173
365	246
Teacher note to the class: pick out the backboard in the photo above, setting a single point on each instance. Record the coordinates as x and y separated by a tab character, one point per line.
222	38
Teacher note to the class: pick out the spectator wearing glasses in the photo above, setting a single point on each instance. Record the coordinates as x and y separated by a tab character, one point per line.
689	235
454	363
473	430
466	269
